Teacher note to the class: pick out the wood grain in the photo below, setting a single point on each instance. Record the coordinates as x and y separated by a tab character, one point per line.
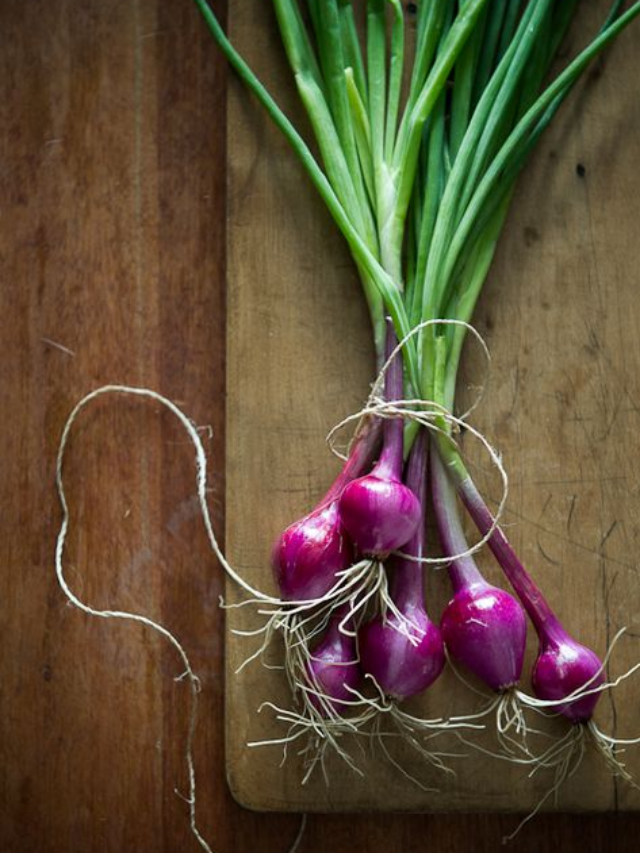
112	253
561	316
112	219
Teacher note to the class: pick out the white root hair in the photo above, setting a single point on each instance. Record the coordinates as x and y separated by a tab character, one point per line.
511	725
564	758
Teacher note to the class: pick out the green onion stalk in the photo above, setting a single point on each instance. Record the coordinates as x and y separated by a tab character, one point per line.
419	152
419	158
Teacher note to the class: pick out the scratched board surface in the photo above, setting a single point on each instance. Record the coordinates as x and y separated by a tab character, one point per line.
561	315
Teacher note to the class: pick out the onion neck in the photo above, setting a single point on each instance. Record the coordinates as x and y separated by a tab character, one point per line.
389	465
552	632
463	571
455	473
407	584
361	455
533	601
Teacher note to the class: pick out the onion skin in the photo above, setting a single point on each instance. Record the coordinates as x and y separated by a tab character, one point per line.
401	668
380	514
334	668
484	628
308	555
563	666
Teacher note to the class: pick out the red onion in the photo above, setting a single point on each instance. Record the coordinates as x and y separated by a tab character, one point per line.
378	511
404	653
308	555
333	667
563	665
483	627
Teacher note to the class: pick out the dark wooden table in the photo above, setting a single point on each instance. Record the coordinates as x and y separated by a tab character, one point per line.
112	269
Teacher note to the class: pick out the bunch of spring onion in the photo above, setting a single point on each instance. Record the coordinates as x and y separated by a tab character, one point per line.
418	158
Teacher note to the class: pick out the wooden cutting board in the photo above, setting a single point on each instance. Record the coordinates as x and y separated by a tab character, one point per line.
561	314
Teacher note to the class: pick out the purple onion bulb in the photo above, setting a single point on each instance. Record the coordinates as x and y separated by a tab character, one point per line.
379	513
563	666
484	628
308	555
401	668
334	669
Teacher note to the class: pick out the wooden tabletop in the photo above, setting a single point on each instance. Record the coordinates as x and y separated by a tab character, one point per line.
112	269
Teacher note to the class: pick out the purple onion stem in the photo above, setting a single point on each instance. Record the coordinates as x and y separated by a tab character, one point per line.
407	583
464	570
390	463
362	454
533	601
